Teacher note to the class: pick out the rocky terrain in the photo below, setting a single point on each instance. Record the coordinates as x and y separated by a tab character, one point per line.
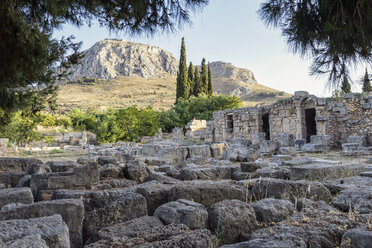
173	193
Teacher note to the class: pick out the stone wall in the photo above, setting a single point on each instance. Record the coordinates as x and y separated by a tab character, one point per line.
200	130
302	116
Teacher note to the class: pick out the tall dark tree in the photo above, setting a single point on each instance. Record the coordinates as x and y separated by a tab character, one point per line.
336	34
197	82
345	86
191	78
210	84
30	54
204	77
183	88
366	83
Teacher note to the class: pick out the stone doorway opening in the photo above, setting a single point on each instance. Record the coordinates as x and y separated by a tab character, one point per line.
266	125
310	123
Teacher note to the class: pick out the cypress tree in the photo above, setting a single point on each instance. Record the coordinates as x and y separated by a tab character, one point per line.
366	83
210	84
190	74
182	77
204	77
345	87
197	82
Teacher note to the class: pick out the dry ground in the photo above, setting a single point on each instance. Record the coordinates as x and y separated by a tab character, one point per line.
156	92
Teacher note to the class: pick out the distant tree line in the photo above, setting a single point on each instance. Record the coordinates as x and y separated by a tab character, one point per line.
191	82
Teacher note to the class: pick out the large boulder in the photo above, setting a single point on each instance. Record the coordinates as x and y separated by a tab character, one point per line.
290	190
81	176
10	179
173	235
207	173
136	171
111	171
37	168
52	229
218	149
128	228
199	151
156	194
273	210
240	153
71	210
192	214
357	237
17	164
31	241
61	166
356	198
229	219
105	208
15	195
103	160
207	192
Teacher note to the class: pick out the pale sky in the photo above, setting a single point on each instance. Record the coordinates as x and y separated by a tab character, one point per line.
230	31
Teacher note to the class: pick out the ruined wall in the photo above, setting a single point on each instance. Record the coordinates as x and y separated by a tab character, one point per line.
200	130
302	116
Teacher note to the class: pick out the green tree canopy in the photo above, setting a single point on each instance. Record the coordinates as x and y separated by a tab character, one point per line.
204	77
191	78
183	88
366	83
337	34
345	86
210	83
197	82
29	53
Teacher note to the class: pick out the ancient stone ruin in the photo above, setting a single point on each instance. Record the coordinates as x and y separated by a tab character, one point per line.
253	177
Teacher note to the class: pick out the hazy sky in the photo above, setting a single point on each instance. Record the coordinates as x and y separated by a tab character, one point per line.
230	31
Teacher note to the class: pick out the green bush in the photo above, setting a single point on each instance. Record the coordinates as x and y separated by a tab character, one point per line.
48	120
201	108
82	121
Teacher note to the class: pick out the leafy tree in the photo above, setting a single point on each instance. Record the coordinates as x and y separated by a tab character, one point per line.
30	54
183	88
345	86
366	83
210	84
204	77
191	78
135	123
201	107
336	34
197	82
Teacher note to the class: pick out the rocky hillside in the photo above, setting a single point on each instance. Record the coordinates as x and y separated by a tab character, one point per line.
118	73
109	59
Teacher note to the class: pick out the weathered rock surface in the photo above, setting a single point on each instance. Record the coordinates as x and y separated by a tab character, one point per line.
37	168
192	214
31	241
218	149
10	179
173	235
325	171
206	192
105	208
52	229
17	164
103	160
199	151
111	58
357	237
136	171
71	210
111	171
290	190
207	173
228	219
61	166
15	195
273	210
356	198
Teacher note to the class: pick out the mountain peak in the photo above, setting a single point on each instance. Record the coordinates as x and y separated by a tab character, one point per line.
111	58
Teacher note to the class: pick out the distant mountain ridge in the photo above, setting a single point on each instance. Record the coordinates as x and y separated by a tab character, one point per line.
108	59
